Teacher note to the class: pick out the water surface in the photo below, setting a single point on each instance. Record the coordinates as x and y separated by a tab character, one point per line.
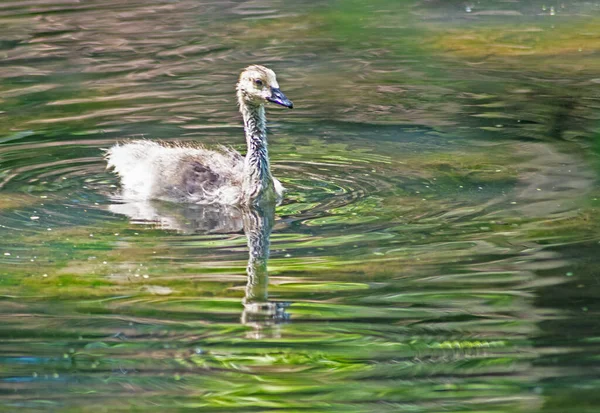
436	250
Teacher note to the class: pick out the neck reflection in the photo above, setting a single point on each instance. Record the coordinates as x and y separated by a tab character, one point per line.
259	312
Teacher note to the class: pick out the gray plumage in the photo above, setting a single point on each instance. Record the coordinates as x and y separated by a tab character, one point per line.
191	173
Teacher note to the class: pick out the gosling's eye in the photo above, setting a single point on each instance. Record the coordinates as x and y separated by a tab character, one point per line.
258	82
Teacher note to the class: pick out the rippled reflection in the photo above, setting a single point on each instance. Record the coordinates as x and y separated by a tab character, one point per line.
257	224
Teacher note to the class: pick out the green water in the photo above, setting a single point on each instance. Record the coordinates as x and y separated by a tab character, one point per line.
437	250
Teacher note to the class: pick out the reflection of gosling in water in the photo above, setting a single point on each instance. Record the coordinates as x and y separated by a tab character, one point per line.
191	173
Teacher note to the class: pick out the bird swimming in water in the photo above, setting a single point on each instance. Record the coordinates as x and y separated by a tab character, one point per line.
191	173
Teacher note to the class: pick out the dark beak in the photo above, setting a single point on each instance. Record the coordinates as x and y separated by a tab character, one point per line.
278	97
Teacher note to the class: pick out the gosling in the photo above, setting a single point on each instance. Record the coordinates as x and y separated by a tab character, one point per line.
191	173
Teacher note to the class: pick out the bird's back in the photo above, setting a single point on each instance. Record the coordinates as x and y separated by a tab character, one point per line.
177	172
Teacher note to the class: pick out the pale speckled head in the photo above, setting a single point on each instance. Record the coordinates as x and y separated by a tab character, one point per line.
258	85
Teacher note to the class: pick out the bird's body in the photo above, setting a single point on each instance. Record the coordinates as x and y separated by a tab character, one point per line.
182	172
192	173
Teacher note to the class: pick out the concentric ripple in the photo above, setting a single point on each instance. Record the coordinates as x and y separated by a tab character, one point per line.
49	176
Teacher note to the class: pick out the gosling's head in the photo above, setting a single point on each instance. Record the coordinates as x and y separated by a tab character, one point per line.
258	85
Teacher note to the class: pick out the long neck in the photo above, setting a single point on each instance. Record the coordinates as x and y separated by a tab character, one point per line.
257	170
